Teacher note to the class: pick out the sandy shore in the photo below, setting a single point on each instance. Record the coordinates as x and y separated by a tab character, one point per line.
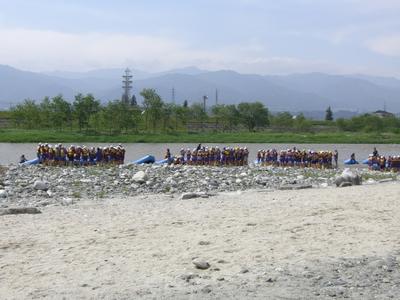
316	243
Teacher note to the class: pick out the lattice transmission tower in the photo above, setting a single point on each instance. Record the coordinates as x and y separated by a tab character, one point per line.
127	86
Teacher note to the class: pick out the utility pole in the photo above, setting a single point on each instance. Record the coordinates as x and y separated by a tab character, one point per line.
216	96
204	103
173	95
127	86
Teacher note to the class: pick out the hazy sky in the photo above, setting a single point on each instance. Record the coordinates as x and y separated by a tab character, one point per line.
252	36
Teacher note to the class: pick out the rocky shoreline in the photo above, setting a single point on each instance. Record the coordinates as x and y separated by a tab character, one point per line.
38	186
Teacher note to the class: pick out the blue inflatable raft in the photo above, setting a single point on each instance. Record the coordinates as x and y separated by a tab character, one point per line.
148	159
162	161
351	162
31	162
365	161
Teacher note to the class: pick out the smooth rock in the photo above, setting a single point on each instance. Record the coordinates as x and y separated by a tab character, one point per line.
186	196
204	243
19	210
67	201
140	177
386	180
41	185
348	176
303	187
201	264
345	184
3	194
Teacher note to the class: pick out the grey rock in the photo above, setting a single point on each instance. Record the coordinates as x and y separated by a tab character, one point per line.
204	243
67	201
140	177
206	289
201	264
188	277
386	180
303	187
186	196
348	176
19	210
345	184
3	194
40	185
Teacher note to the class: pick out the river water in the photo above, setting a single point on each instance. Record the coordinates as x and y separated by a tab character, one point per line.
10	153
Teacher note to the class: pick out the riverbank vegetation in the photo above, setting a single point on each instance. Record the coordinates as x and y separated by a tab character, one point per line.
87	119
53	136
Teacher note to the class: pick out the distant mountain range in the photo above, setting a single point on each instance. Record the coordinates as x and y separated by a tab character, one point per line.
312	92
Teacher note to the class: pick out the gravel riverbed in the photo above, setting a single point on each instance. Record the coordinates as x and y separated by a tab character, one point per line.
42	186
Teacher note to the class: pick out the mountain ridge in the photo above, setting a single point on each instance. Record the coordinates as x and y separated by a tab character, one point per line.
294	92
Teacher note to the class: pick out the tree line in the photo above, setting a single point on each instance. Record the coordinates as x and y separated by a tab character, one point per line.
87	114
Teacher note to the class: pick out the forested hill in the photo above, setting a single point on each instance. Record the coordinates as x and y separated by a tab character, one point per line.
298	92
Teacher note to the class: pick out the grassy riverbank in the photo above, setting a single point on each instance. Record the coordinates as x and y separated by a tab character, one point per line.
34	136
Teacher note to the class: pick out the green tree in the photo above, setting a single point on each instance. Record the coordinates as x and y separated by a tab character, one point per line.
226	115
182	115
253	115
61	112
301	123
26	115
45	113
329	114
153	107
83	108
168	113
197	113
283	120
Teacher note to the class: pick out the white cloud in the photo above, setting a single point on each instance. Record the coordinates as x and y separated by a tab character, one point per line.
39	50
48	50
387	45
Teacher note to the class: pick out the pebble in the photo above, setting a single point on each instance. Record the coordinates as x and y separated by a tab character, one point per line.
201	264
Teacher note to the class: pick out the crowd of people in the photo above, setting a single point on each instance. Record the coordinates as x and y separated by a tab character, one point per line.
59	155
299	158
210	156
380	162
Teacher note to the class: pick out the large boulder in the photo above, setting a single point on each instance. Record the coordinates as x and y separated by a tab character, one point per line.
41	185
348	178
140	177
3	194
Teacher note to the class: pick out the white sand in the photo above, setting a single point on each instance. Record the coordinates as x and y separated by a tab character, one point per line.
144	246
